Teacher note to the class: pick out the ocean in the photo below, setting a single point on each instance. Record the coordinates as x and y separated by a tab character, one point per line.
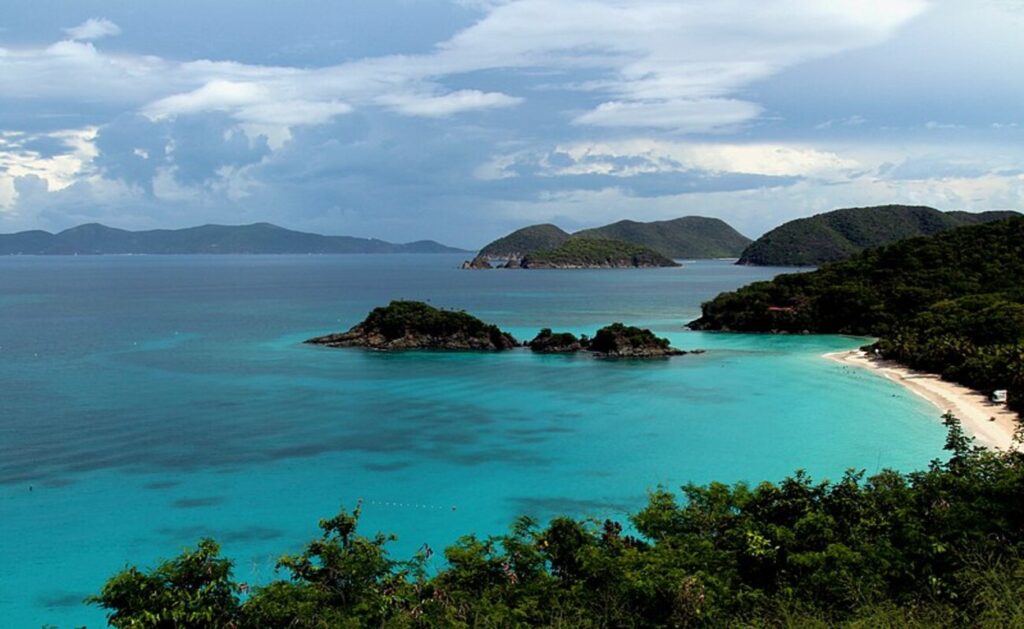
149	401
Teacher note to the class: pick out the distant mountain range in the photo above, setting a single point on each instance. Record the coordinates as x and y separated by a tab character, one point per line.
839	234
687	237
258	238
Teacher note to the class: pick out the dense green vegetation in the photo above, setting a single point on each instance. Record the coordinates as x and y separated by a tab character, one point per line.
596	252
401	317
951	304
548	342
416	325
839	234
616	338
686	237
525	241
257	238
942	547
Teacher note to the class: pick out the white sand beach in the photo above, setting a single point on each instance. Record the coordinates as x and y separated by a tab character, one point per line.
991	424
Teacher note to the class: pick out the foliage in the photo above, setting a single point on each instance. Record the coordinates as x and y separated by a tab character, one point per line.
951	304
525	241
400	318
195	589
548	341
596	252
686	237
940	547
839	234
613	338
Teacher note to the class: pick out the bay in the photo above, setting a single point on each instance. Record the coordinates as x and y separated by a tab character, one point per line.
148	401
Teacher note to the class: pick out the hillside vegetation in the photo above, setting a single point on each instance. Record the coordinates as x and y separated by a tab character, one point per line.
93	238
578	252
525	241
839	234
687	237
951	304
938	548
403	325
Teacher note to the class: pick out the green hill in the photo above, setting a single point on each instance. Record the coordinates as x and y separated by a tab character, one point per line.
686	237
839	234
94	238
951	304
595	253
525	241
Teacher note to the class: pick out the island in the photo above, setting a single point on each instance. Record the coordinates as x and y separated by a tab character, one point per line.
403	325
583	253
626	341
258	238
686	237
613	341
407	325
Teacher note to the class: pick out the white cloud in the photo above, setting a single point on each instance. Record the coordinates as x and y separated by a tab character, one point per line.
640	156
684	116
657	64
448	104
58	171
93	28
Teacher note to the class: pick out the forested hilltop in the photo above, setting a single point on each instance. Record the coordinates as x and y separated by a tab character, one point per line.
951	304
839	234
686	237
937	548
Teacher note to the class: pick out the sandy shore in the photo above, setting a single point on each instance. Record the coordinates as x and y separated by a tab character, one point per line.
992	424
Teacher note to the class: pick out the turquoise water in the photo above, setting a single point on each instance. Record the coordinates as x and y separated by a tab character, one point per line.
149	401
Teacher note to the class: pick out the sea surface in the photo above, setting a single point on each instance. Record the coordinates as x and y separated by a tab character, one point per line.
149	401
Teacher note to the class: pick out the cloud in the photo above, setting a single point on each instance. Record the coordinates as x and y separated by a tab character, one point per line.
93	28
645	156
448	104
683	116
674	66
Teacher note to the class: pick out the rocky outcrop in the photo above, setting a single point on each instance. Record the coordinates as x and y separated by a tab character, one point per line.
623	341
404	325
548	342
478	262
613	341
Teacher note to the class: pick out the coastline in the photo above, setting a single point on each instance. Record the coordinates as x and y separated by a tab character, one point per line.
992	424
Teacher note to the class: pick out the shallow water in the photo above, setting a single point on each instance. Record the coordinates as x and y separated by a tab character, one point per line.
148	401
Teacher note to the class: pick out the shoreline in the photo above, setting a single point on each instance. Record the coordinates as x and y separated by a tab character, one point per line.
993	425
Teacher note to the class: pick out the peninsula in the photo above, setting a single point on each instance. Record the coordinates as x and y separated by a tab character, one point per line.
950	304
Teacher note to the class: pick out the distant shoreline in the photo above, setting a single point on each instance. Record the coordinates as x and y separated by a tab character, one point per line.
992	424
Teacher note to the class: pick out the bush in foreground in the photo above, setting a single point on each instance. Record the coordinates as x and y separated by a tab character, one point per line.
940	547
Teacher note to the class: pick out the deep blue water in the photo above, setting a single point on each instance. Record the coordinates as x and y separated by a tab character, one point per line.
148	401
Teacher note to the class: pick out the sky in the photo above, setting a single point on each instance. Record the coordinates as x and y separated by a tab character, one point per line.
460	120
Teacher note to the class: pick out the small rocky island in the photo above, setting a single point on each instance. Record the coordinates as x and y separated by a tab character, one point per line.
403	325
613	341
415	325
